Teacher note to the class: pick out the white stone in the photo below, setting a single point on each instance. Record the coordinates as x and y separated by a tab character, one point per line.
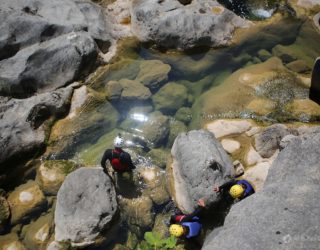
307	3
253	131
230	145
25	196
149	174
257	175
253	157
54	245
12	246
48	174
228	127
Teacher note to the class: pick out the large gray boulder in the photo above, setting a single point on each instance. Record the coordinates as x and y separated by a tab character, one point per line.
174	25
48	43
199	163
24	125
285	214
86	207
47	66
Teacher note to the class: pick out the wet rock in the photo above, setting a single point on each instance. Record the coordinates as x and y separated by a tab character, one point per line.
173	25
184	114
159	157
52	173
76	218
230	145
4	212
25	123
303	108
292	212
267	142
133	91
37	68
160	227
156	129
298	66
261	106
11	242
176	127
25	201
284	53
153	73
222	128
199	162
137	213
39	232
170	98
264	55
94	117
154	179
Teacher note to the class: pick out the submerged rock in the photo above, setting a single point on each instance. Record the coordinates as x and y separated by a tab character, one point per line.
170	98
25	201
4	212
51	175
25	122
176	127
199	163
39	232
285	214
11	242
153	73
171	24
81	217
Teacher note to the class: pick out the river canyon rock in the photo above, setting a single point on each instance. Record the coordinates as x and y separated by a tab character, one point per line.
199	163
11	242
285	214
24	123
44	46
86	207
171	24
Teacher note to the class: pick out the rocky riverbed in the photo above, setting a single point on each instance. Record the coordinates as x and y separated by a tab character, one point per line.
201	91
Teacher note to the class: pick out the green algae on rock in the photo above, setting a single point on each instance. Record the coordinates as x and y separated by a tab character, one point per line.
52	173
11	241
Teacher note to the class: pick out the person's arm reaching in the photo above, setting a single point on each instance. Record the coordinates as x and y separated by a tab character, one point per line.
198	210
224	186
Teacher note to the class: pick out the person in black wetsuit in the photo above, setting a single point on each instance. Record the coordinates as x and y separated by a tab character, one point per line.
119	159
235	189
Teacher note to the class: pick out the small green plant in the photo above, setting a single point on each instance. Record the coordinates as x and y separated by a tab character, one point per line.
153	241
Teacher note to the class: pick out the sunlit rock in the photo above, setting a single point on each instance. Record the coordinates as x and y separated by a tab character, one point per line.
24	201
11	242
198	163
39	232
170	98
230	145
261	106
51	174
222	128
304	107
173	25
298	66
284	212
83	218
252	157
153	73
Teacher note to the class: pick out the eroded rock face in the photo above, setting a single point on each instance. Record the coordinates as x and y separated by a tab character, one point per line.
199	163
174	25
43	46
285	214
80	216
23	122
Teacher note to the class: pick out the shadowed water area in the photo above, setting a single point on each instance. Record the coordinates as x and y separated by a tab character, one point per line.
201	85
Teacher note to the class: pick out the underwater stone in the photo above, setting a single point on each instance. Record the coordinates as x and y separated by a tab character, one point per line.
170	98
24	201
298	66
176	127
11	242
284	53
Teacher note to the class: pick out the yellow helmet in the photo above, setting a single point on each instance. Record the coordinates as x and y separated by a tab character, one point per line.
236	191
176	230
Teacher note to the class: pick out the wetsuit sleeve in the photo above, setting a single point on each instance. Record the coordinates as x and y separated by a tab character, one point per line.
106	156
227	185
189	217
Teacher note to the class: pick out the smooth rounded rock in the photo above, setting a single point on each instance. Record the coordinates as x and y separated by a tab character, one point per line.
230	145
222	128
